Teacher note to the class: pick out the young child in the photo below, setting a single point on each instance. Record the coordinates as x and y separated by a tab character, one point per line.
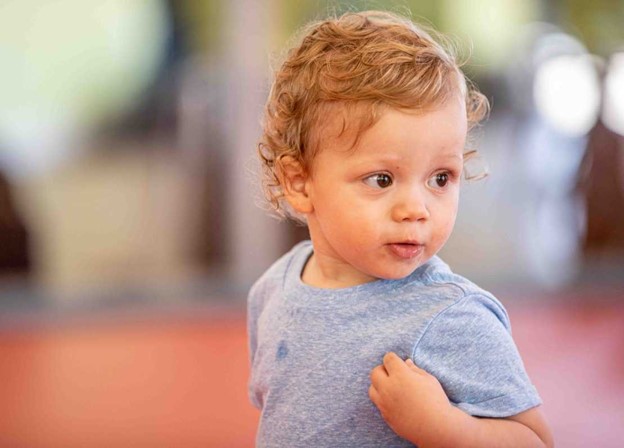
364	139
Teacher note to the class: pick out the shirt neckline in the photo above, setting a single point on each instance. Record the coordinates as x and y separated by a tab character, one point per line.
303	291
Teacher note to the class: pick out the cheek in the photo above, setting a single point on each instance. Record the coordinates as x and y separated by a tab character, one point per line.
445	225
337	205
353	224
351	227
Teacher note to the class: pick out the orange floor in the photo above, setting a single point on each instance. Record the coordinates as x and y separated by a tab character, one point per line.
575	356
179	380
164	382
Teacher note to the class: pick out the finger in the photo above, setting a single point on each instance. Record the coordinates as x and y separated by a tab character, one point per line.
373	395
378	374
413	366
392	362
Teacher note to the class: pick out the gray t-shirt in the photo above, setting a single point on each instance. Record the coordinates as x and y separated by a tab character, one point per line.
312	351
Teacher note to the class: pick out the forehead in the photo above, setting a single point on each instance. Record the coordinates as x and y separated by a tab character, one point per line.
439	130
338	122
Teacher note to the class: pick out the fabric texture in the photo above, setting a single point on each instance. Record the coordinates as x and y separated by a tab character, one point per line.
312	351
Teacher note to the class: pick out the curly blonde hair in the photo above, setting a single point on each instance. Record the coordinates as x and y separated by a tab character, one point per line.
358	62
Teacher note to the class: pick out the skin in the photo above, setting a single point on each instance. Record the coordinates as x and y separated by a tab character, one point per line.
379	211
414	405
353	244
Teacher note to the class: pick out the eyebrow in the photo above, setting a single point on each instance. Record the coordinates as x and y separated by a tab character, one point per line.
459	157
453	156
391	159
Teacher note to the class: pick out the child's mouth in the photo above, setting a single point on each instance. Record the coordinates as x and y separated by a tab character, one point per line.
406	251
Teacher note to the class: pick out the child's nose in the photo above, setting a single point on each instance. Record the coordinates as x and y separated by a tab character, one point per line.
410	208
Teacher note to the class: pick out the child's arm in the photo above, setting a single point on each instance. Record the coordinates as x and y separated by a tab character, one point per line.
415	406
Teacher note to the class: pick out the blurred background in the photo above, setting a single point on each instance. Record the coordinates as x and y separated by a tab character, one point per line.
131	226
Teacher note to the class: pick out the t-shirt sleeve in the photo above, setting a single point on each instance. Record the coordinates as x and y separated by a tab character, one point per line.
468	347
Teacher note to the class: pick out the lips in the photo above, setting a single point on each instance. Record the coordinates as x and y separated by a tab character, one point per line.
406	251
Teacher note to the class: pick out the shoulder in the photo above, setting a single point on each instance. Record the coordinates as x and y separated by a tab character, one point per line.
463	298
468	320
274	278
469	348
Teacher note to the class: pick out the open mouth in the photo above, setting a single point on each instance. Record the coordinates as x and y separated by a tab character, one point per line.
406	251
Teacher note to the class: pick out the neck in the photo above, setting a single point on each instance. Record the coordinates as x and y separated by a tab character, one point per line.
323	272
325	268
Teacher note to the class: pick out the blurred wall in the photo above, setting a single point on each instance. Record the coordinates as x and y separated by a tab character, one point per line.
129	130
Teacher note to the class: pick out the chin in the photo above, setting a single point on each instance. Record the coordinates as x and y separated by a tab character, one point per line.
396	274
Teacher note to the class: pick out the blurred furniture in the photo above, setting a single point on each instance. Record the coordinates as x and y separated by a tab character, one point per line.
602	183
14	237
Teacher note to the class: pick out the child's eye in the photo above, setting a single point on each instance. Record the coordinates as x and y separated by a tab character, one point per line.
379	180
439	180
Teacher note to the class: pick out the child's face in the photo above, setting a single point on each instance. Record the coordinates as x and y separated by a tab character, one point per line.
386	207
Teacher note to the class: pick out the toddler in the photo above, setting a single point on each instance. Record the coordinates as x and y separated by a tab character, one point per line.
363	337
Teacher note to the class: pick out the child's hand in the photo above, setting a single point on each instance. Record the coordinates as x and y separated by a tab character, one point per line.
410	400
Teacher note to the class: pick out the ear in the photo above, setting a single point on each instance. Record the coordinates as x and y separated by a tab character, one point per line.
295	184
